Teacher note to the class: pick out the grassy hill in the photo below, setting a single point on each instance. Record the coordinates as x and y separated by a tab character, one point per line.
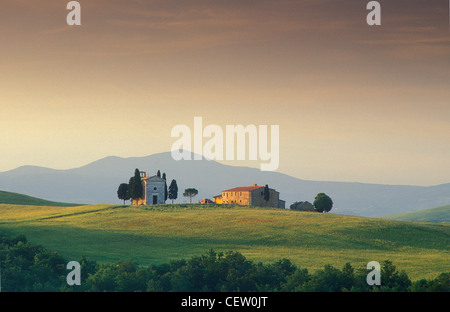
438	214
20	199
157	234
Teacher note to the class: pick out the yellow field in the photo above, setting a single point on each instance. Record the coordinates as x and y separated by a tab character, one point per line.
158	234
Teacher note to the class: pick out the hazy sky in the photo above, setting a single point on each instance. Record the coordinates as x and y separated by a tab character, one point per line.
353	102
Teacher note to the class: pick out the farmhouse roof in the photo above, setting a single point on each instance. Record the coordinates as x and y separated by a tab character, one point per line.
244	188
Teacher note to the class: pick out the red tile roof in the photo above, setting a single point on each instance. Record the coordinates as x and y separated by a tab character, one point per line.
244	188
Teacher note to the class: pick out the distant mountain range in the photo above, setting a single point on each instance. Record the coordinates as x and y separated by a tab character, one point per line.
97	183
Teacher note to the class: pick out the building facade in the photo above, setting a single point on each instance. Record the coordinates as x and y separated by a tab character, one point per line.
251	196
153	190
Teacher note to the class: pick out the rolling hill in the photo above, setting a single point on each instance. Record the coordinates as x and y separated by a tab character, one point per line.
97	183
438	214
21	199
157	234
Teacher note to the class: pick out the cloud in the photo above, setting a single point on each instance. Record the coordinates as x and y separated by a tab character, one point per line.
164	26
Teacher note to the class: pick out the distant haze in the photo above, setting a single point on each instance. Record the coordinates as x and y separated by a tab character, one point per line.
98	182
353	102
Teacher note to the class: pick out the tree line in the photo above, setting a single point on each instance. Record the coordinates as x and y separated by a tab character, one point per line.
28	268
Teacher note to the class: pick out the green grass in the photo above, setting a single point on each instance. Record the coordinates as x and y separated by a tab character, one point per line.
438	214
157	234
20	199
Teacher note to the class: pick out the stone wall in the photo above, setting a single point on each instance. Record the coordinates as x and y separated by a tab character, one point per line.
155	187
257	198
252	198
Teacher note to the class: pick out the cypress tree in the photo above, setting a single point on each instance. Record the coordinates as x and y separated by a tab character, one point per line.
173	190
266	193
135	186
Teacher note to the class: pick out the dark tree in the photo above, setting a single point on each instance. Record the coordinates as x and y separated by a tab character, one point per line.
323	203
135	186
190	192
166	193
173	190
266	193
122	192
130	183
158	174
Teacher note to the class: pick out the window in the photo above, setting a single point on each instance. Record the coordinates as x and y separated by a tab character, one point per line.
154	188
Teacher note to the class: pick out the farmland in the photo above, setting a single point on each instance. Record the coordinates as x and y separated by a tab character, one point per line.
157	234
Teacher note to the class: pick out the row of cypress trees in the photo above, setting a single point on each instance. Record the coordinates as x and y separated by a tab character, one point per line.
134	190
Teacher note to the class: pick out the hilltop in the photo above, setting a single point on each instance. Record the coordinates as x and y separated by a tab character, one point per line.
21	199
158	234
438	214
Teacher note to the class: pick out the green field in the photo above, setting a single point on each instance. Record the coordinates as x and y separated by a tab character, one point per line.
157	234
20	199
438	214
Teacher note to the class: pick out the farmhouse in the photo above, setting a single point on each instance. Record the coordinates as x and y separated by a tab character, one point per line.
154	190
250	195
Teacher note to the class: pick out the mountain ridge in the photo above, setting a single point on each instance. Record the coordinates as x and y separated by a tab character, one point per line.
97	183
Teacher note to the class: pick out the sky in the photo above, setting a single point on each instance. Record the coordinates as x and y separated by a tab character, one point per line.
353	102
